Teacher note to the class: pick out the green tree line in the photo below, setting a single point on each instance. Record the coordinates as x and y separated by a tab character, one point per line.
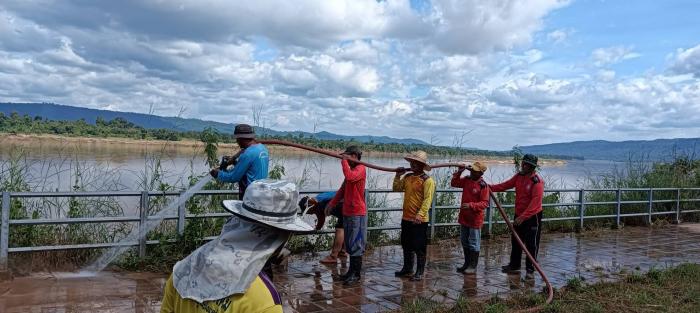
121	128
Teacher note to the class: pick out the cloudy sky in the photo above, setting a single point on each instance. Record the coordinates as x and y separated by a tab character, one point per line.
506	71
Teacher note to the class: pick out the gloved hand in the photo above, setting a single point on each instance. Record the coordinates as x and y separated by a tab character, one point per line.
227	161
214	172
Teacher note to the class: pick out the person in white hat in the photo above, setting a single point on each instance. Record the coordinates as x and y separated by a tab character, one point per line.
224	275
418	189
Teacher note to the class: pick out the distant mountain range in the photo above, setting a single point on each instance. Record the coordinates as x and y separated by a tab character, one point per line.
70	113
652	150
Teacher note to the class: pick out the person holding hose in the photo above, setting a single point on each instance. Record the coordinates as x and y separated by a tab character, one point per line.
249	164
529	191
352	193
475	199
418	189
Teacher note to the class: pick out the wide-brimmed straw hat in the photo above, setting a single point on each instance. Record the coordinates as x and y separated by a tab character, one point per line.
477	167
420	157
270	202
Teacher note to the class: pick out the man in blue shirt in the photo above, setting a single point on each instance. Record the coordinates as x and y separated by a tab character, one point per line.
251	164
319	206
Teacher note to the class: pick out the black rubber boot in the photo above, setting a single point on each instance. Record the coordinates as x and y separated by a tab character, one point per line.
350	272
510	269
473	262
420	267
354	277
407	268
467	257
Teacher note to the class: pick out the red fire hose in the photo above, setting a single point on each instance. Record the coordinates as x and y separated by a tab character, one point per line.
550	290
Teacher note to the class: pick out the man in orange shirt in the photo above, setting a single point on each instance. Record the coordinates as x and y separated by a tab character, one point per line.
418	190
475	199
529	191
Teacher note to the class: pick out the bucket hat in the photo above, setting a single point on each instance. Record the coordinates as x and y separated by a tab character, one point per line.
270	202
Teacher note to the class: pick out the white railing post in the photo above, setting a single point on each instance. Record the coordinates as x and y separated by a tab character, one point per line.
651	205
143	218
618	210
489	212
678	206
581	208
181	212
432	217
4	231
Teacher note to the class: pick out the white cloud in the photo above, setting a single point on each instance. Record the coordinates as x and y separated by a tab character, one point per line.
611	55
687	61
559	36
534	91
606	75
395	109
473	26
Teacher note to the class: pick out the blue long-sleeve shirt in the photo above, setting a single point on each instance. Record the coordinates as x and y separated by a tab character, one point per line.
322	199
252	165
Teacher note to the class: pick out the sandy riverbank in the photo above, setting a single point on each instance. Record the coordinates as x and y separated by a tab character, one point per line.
187	145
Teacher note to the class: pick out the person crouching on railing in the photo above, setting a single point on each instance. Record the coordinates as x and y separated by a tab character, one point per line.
529	191
418	189
224	275
475	199
318	206
352	192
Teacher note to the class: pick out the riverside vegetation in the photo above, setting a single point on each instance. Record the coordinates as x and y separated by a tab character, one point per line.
122	128
15	176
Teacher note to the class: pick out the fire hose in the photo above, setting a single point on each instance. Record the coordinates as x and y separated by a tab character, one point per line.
550	290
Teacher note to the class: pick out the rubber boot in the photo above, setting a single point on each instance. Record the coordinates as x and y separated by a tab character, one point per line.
473	262
420	267
467	258
510	269
354	277
407	268
351	270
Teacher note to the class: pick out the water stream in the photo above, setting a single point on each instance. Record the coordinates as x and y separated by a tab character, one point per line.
143	230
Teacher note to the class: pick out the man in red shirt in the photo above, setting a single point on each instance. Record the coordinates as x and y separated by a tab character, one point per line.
352	192
529	191
475	199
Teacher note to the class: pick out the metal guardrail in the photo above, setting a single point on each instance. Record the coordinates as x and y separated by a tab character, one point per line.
182	216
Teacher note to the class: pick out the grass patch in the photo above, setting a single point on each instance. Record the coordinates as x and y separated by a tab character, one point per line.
672	290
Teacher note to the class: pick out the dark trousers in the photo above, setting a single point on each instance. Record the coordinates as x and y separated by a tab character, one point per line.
530	232
414	237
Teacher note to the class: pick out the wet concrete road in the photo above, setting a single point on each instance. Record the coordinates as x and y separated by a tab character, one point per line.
307	286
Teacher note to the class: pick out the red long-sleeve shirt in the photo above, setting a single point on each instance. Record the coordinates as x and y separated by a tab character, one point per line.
352	191
476	193
529	191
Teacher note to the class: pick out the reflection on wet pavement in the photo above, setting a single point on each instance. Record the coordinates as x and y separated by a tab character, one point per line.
307	286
